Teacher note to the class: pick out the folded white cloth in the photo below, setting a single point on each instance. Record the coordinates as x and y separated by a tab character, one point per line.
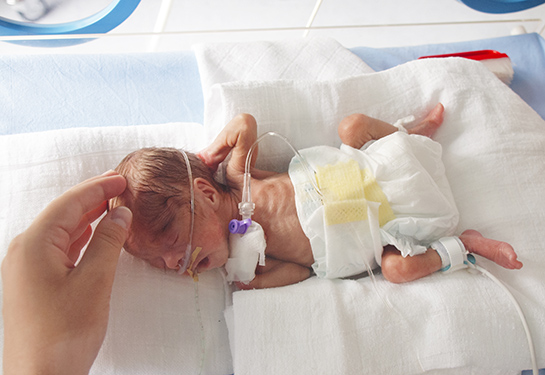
317	58
313	59
493	151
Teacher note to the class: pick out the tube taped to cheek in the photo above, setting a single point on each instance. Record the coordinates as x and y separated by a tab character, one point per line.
246	251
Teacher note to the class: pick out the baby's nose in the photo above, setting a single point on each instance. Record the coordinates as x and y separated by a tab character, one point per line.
172	260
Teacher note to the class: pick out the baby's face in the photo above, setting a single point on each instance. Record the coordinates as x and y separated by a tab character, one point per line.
213	237
169	250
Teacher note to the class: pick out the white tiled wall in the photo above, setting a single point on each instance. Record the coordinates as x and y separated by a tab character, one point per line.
380	23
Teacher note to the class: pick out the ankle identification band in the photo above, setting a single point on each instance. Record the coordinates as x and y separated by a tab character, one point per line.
454	255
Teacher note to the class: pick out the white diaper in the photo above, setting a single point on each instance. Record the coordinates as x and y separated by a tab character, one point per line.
417	207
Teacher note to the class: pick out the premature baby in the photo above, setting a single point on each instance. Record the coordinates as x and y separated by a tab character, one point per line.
393	176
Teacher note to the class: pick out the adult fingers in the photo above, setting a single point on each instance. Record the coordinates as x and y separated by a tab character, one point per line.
100	259
76	246
66	211
86	220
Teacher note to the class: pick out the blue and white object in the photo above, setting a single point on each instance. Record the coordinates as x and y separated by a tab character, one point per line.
101	22
501	6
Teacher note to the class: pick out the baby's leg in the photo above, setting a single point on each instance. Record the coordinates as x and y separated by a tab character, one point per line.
499	252
431	123
399	269
358	129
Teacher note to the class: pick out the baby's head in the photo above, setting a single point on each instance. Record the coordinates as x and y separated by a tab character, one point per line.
158	194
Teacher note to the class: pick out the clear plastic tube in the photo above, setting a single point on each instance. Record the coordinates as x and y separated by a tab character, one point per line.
246	206
187	256
531	347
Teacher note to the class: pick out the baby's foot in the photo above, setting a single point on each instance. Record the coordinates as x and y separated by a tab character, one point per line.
431	123
499	252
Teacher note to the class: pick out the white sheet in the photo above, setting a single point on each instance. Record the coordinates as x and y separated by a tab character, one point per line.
494	147
155	322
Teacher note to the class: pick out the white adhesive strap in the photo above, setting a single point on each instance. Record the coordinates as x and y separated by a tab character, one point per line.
246	252
452	252
400	124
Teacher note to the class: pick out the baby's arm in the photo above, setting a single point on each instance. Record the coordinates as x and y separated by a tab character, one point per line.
277	273
237	137
357	129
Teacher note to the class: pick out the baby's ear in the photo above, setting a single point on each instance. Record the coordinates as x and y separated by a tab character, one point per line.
207	190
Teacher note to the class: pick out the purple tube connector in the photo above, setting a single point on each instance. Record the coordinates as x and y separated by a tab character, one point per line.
239	226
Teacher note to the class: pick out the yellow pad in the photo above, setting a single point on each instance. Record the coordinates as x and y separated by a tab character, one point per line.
346	189
194	256
374	193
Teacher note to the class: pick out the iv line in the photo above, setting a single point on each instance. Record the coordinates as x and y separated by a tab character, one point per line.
246	206
201	325
535	370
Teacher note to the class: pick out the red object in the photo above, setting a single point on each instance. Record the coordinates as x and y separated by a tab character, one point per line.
472	55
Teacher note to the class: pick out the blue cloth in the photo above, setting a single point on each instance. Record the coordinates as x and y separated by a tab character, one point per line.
42	92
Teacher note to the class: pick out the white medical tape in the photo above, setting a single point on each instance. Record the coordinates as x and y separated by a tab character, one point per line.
453	249
400	124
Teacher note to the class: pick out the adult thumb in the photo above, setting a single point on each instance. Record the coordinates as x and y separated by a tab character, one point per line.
102	253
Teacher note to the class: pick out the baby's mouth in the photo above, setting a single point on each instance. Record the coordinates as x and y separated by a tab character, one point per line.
202	264
192	271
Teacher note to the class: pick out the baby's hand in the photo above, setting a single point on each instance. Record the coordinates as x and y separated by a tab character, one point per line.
210	158
237	137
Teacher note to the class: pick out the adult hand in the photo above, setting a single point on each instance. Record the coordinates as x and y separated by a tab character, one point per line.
56	312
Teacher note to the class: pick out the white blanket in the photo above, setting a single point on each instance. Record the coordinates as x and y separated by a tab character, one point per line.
494	147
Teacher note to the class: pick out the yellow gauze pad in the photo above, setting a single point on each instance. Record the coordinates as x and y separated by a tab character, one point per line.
194	256
346	188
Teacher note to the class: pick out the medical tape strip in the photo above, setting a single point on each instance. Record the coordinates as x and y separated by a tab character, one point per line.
346	188
452	252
